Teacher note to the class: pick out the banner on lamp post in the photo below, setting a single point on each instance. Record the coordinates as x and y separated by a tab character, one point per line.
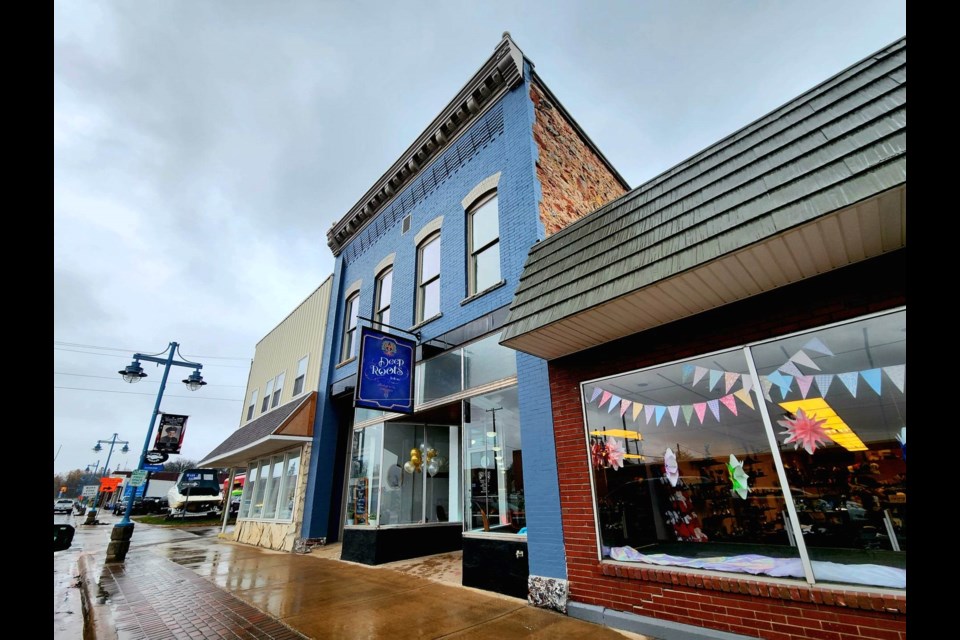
170	433
385	375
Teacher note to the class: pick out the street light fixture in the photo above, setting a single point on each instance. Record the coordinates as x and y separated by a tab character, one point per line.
92	514
133	372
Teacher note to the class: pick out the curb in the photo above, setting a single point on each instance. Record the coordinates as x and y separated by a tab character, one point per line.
95	627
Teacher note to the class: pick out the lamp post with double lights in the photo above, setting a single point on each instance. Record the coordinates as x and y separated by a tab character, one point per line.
123	530
92	514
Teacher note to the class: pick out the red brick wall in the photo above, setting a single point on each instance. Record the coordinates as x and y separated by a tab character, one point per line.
573	180
747	606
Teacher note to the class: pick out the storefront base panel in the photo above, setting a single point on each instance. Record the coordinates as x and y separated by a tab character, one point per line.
377	546
649	627
497	565
672	604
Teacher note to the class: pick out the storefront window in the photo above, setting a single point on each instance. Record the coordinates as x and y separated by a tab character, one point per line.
487	360
688	466
494	500
289	488
439	376
417	484
273	488
364	476
270	487
837	400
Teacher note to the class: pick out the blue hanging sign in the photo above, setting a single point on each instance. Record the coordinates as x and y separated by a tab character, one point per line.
385	375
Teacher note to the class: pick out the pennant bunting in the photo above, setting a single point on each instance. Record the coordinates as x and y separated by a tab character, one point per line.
849	380
701	409
800	357
789	367
897	375
730	403
804	383
747	382
815	345
606	396
714	408
744	396
714	378
647	413
872	377
673	410
596	392
823	382
637	408
729	379
766	385
687	413
614	401
698	373
781	381
624	405
660	410
685	372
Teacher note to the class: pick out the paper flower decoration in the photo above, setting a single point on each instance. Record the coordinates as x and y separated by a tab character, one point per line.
598	452
670	466
614	453
902	439
804	431
738	478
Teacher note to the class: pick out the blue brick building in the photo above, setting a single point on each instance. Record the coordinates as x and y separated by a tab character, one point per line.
433	252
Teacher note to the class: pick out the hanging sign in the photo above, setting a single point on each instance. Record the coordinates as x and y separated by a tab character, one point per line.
385	376
170	433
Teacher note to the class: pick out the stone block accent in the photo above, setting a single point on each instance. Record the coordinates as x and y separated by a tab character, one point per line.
547	593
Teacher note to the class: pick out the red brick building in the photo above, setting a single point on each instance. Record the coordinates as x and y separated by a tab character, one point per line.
727	361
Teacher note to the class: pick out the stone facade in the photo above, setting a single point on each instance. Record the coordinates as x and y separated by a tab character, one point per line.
573	180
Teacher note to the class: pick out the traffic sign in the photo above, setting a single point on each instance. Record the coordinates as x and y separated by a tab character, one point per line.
138	477
153	467
89	490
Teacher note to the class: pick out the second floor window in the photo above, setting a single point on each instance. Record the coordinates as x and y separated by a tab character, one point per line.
428	278
253	405
484	240
266	396
301	376
277	390
350	327
381	310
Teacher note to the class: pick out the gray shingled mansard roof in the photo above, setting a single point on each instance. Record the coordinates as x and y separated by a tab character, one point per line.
246	442
815	185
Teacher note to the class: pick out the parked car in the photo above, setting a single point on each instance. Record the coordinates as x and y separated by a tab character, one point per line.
63	505
142	506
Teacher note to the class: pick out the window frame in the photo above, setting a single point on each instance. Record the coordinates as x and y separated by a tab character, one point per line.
421	283
268	392
474	252
351	310
253	404
300	381
379	308
278	389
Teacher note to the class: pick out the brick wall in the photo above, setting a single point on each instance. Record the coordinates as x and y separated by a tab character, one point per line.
573	180
747	606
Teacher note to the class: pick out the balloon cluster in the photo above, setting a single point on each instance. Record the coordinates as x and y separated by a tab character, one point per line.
416	462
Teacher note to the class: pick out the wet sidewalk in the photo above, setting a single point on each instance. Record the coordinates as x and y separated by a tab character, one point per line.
182	584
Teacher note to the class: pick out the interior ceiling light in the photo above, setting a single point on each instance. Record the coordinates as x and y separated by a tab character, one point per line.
835	427
618	433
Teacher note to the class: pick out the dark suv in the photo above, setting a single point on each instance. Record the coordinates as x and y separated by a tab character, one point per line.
142	506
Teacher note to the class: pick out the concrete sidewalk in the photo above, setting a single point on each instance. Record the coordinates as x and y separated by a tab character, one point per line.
178	583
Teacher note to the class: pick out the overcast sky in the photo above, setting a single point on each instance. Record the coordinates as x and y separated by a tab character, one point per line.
203	149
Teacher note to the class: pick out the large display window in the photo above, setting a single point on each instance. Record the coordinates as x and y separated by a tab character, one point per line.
784	458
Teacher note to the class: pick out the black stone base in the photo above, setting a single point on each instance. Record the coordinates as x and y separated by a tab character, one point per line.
496	565
377	546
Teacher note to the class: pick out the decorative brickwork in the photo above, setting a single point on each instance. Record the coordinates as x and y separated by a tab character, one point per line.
573	180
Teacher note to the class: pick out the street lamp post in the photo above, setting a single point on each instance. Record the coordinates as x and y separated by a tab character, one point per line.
92	514
123	530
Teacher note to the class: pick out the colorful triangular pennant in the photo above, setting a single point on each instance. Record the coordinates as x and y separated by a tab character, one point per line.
804	382
673	410
823	381
849	379
872	378
614	401
730	403
815	345
802	358
744	396
897	374
729	379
